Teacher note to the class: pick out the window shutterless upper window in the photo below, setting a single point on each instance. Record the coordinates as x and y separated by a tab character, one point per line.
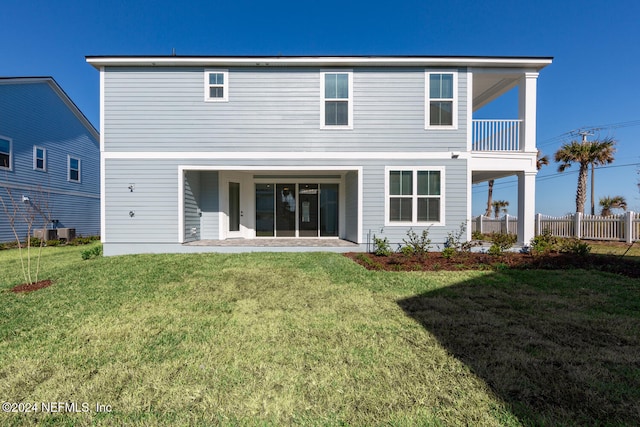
216	85
6	152
336	109
39	158
441	100
415	196
73	173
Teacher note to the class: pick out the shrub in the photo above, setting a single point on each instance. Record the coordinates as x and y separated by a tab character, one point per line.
419	244
575	247
53	242
448	252
501	242
457	240
407	251
544	243
381	246
78	241
476	235
94	252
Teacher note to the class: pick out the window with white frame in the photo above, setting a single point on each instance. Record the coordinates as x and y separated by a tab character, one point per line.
216	85
39	158
441	101
415	196
73	169
6	152
336	110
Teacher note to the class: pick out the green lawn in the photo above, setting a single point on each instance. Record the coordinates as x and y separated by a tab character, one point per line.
314	339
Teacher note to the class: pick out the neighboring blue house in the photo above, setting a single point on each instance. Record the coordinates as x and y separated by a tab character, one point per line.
306	153
49	158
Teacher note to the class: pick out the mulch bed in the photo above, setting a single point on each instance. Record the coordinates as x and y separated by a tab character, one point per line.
434	261
30	287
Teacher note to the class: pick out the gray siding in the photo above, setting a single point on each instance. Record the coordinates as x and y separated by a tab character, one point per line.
155	198
210	205
34	114
270	109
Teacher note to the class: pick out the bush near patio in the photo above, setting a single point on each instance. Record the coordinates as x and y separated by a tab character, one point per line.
315	339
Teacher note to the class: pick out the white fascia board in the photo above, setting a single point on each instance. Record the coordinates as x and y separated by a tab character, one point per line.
122	61
277	155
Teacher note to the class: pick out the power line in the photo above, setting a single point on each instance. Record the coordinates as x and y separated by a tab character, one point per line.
562	136
513	183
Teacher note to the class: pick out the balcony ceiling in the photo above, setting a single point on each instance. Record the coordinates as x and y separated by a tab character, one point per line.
488	86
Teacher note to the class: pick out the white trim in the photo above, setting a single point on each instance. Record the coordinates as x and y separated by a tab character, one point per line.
454	101
349	125
414	196
79	180
35	158
181	177
103	202
225	85
102	86
277	155
268	168
469	109
327	61
10	168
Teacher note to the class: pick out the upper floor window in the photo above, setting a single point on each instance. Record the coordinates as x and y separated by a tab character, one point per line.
73	169
442	103
6	145
39	158
415	196
216	85
336	109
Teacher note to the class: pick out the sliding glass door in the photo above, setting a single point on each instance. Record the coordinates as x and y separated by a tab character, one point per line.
296	210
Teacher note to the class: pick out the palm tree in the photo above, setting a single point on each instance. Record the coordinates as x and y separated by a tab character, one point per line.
540	161
500	206
616	202
489	199
585	154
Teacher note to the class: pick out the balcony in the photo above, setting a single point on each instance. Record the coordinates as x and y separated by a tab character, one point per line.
496	135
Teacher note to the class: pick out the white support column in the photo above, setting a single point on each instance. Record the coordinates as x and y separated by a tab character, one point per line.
526	206
527	111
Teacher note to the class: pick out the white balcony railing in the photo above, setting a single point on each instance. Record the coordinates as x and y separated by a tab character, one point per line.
496	135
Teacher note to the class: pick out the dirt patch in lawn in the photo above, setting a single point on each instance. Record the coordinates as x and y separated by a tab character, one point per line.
30	287
434	261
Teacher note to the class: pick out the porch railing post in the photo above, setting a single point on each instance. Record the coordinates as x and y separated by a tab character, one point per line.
538	221
628	227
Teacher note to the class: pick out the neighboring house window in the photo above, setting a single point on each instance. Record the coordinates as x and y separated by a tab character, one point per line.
74	169
415	196
5	152
216	85
441	103
336	110
39	158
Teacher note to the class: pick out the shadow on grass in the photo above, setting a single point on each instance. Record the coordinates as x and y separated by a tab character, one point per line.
558	350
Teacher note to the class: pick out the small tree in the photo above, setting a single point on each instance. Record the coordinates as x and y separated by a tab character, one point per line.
500	206
33	212
616	202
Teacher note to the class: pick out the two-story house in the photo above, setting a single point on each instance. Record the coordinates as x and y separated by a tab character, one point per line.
49	161
272	153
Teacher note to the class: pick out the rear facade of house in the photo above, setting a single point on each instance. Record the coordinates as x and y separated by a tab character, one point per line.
196	151
49	162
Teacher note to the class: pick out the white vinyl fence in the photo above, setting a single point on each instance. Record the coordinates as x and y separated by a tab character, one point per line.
624	227
487	225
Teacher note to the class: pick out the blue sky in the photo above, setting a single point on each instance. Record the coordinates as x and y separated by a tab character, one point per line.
592	82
